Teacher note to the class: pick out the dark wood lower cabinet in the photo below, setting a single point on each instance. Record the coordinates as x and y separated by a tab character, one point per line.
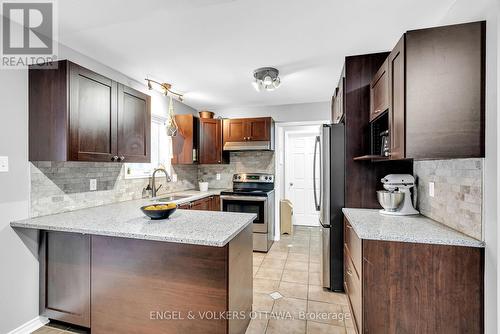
414	288
121	285
65	277
210	203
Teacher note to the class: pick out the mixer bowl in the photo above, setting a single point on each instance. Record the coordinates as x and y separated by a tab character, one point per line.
390	200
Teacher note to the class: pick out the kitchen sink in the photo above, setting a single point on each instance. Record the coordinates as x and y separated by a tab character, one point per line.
171	198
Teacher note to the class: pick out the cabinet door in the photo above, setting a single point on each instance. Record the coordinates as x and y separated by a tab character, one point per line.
379	92
134	125
215	203
397	100
93	109
258	129
211	141
201	204
185	206
184	143
65	277
234	130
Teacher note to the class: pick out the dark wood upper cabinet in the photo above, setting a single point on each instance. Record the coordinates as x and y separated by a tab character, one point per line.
134	122
445	91
234	130
211	142
185	143
78	115
396	78
379	92
93	113
248	129
258	129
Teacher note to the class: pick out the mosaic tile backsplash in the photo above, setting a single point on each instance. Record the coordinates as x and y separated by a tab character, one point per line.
64	186
458	192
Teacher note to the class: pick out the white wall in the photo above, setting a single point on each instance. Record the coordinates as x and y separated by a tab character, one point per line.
316	111
467	11
18	250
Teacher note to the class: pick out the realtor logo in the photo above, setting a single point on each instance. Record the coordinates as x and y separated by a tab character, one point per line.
27	33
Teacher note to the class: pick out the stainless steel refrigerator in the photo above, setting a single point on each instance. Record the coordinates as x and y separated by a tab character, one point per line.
329	198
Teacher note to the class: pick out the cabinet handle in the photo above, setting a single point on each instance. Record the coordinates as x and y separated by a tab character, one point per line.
122	158
114	158
348	272
348	226
377	111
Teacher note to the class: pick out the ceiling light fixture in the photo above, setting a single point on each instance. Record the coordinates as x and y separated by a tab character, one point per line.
164	88
266	78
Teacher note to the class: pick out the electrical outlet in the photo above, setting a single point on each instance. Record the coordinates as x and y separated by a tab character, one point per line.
4	164
93	184
174	177
431	189
217	176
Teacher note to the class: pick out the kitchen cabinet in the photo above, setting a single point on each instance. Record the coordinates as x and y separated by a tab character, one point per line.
65	277
209	203
397	124
379	92
211	142
78	115
436	93
248	129
402	287
338	102
185	143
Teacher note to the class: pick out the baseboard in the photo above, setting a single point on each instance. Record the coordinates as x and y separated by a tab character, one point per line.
30	326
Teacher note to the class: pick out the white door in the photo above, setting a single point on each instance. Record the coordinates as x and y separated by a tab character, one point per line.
299	159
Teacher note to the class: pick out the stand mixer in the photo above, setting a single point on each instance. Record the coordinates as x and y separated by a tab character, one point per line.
397	199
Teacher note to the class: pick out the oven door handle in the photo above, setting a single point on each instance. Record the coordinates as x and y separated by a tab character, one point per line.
243	198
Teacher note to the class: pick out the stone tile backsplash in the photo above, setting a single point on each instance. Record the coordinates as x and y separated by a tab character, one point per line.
240	162
64	186
457	200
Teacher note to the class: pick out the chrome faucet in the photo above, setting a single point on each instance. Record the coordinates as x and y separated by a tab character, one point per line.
153	180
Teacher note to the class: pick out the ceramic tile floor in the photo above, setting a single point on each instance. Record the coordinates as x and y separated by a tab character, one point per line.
288	297
291	268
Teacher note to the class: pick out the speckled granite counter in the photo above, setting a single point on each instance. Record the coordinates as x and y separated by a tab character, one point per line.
370	224
125	219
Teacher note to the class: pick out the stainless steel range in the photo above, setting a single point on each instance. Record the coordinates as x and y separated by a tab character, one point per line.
253	193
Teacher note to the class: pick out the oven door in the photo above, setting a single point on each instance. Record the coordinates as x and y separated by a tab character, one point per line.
248	204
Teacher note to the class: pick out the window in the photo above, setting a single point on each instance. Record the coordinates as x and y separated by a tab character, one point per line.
161	152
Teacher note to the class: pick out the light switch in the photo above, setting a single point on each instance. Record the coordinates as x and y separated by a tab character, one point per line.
174	177
4	164
431	189
217	176
93	184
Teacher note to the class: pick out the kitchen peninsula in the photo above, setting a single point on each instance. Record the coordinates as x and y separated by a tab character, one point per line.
111	269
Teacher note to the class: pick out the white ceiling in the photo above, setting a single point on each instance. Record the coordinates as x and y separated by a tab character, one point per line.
209	48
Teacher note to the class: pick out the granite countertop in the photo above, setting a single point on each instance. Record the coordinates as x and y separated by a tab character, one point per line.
370	224
125	219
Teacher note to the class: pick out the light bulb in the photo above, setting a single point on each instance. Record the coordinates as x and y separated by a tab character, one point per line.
277	82
267	80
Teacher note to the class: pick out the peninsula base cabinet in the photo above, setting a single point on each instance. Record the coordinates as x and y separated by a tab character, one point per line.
399	287
122	285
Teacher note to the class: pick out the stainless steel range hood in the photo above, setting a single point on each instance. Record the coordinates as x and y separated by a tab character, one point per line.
248	146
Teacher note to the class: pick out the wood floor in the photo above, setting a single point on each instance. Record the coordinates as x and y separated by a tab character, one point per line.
288	297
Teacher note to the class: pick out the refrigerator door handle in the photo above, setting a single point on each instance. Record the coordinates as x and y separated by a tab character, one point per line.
316	202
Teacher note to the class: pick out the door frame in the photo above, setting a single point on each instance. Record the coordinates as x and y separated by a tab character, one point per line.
281	128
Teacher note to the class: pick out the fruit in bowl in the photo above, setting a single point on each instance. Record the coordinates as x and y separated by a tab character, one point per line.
159	211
